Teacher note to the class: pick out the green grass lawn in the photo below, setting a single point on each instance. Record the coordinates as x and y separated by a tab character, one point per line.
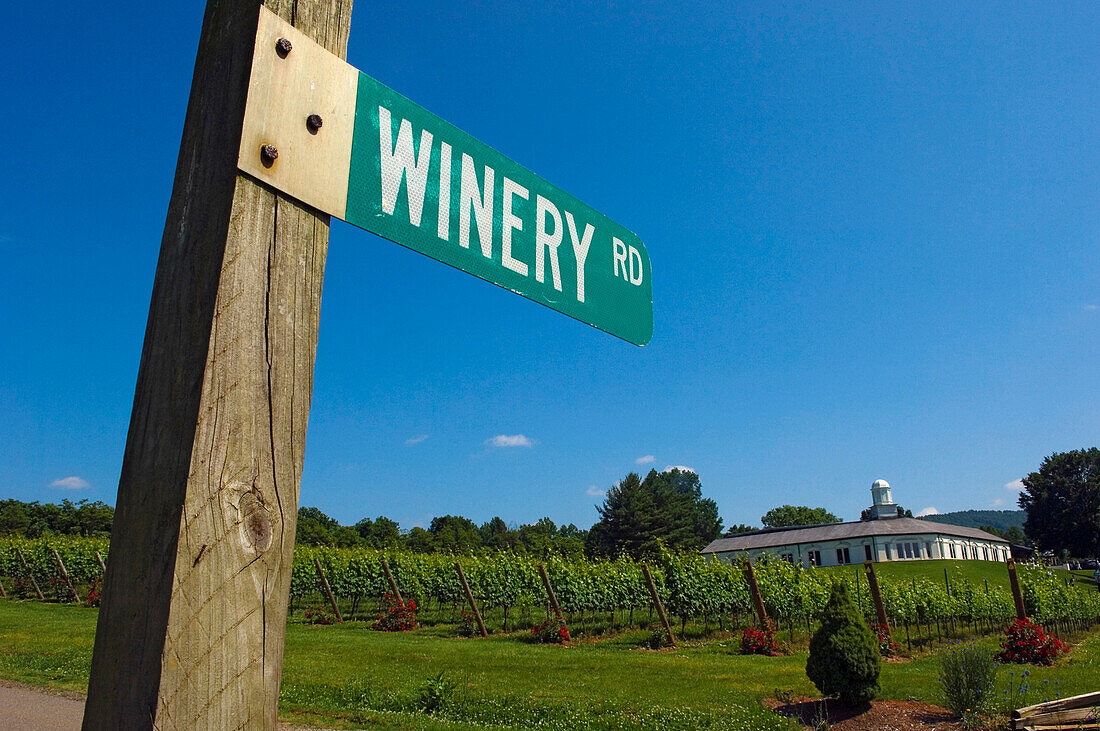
350	676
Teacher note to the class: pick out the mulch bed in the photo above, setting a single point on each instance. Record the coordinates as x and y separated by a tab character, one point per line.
877	716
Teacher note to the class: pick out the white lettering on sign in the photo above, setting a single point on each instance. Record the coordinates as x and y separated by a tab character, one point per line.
635	257
482	204
627	261
618	256
443	226
580	250
397	162
547	242
510	221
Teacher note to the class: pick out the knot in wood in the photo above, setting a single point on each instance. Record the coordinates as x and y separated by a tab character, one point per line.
283	47
256	524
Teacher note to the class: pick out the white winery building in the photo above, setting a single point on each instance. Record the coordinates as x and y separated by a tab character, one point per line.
883	536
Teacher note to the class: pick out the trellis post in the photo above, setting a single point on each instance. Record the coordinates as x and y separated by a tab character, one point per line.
393	584
30	575
470	599
876	597
657	603
1017	595
328	590
65	575
754	592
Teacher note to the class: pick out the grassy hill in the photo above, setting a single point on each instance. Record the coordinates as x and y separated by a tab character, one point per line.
1002	519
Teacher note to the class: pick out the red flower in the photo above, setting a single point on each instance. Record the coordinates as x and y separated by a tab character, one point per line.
1026	642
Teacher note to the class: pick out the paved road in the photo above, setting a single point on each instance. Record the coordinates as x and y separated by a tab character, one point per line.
26	708
30	710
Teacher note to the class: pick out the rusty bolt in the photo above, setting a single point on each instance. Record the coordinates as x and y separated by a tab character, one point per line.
314	122
268	155
283	47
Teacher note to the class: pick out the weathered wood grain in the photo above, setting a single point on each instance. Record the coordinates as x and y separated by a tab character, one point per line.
190	631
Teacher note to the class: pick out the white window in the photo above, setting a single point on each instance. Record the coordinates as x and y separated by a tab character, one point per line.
907	550
788	557
842	556
815	558
867	552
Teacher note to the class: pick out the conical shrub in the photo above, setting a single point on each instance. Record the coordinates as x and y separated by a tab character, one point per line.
844	659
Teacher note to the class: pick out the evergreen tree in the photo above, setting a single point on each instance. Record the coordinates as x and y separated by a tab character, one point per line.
844	658
666	507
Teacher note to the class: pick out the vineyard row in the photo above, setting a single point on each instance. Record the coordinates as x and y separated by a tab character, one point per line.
690	587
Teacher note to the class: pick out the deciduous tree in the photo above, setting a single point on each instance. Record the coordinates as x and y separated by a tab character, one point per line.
788	515
1062	501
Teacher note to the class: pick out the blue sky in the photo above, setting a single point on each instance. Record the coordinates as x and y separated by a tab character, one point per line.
873	230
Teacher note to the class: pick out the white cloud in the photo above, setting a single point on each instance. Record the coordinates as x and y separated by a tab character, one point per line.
70	483
417	439
648	459
514	440
1090	308
680	467
1015	485
998	502
928	511
594	491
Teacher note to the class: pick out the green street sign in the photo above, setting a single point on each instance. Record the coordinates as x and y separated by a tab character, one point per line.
387	165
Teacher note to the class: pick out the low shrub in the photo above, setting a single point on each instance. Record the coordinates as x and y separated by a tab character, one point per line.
436	693
319	615
760	641
786	697
844	659
968	675
95	593
397	616
1027	643
467	624
886	645
553	631
658	638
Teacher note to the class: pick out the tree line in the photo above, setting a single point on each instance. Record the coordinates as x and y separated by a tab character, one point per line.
638	516
35	519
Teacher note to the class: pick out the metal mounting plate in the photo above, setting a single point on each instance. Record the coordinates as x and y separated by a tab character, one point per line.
283	90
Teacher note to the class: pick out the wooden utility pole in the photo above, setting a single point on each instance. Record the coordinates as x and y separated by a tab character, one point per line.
1017	596
657	603
470	599
191	626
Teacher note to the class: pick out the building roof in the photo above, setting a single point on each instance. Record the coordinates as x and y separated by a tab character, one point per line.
772	537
